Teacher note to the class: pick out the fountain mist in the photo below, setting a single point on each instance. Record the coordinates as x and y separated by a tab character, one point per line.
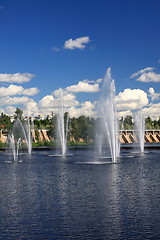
108	113
19	135
28	137
14	146
140	127
62	128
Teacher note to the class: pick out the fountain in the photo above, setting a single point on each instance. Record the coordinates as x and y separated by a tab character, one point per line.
62	128
14	146
99	141
28	136
140	127
19	137
108	114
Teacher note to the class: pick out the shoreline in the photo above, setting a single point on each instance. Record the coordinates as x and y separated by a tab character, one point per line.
147	146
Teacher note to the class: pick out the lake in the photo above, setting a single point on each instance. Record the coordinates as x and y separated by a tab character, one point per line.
80	196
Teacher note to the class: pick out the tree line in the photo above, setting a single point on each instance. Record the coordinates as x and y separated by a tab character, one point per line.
79	129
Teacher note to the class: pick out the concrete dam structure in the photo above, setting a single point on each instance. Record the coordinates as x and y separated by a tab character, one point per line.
125	136
131	136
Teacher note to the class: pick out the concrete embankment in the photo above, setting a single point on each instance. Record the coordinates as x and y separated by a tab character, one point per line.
125	136
131	136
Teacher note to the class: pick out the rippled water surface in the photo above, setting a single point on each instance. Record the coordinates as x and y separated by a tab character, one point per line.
80	197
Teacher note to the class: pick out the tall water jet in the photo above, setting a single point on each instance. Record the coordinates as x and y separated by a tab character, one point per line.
140	128
108	114
14	146
28	136
62	126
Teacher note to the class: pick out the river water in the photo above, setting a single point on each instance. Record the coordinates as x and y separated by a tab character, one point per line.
46	196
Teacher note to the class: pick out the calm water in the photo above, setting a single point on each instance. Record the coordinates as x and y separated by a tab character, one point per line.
50	197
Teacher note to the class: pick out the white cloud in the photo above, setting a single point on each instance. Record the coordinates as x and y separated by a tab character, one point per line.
10	110
69	100
87	109
131	99
11	90
152	94
47	101
17	90
149	77
99	80
57	93
153	110
16	78
83	87
124	113
31	108
13	100
30	91
74	107
77	43
148	69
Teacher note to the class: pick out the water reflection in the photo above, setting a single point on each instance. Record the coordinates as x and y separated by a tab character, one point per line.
55	198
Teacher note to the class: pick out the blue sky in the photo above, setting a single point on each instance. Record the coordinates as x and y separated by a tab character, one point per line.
61	43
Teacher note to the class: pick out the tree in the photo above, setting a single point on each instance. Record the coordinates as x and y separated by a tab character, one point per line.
148	123
5	122
128	122
18	113
158	122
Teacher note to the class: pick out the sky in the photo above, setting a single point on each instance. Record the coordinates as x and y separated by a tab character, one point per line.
49	45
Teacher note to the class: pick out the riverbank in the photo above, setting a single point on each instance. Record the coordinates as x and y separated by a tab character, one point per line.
147	146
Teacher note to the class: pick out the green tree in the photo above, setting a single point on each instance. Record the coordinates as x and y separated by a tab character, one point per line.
5	122
128	122
158	122
148	123
18	113
155	124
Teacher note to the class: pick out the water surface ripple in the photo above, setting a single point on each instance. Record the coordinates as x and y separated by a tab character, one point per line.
47	197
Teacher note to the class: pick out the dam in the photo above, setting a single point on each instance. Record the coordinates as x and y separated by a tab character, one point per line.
125	136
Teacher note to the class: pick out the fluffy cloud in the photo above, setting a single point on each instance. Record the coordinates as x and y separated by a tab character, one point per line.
30	91
147	75
152	94
153	110
47	101
69	100
83	87
10	110
148	69
31	108
99	80
11	90
17	90
87	108
124	113
16	78
131	99
59	92
77	88
77	43
13	100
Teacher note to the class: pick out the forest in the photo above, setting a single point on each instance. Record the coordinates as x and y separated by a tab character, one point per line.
81	129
